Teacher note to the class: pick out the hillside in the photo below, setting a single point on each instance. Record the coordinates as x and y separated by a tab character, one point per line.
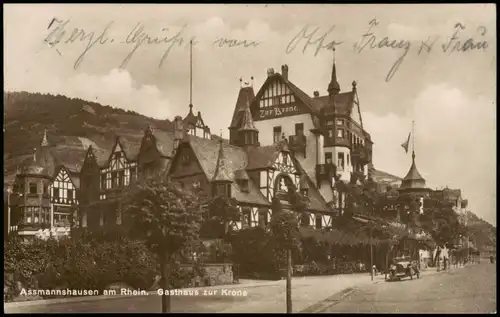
386	178
482	233
72	124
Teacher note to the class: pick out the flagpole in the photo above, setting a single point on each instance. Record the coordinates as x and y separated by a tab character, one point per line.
191	72
413	132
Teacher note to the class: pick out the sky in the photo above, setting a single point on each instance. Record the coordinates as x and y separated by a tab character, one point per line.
100	52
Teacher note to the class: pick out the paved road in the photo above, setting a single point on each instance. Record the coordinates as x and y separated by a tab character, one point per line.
461	290
259	298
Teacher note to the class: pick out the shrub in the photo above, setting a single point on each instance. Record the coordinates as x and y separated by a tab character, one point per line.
85	263
255	253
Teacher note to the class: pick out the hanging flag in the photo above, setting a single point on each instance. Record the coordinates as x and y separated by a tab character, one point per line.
406	143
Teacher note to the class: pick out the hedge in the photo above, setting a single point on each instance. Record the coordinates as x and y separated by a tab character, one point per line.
86	263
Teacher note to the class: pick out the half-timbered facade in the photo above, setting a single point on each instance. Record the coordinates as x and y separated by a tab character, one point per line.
105	175
64	200
324	133
252	174
44	196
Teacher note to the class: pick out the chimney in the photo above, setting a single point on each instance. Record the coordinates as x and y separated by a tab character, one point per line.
270	72
178	128
284	71
199	113
316	94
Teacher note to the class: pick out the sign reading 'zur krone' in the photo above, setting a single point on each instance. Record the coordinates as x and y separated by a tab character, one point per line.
278	111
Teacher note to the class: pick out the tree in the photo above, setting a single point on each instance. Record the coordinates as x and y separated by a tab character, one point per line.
168	218
285	231
222	211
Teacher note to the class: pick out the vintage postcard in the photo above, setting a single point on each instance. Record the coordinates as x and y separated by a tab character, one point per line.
250	158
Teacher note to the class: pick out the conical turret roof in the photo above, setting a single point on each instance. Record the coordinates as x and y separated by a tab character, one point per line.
222	173
413	179
247	123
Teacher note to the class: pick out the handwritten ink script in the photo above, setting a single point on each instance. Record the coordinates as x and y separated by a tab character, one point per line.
307	40
61	34
371	41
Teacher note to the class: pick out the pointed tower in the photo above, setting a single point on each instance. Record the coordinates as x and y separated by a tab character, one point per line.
221	182
44	156
413	185
413	180
333	87
44	140
245	97
249	135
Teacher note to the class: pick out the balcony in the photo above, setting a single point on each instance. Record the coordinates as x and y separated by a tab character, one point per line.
360	153
297	143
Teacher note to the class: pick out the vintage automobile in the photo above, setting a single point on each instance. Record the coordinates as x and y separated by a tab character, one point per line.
402	267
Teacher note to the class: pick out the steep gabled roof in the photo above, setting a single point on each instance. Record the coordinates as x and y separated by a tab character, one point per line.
299	94
131	145
74	176
207	152
164	142
344	102
316	201
262	157
265	157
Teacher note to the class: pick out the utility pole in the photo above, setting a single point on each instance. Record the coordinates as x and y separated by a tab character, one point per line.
371	247
9	192
371	253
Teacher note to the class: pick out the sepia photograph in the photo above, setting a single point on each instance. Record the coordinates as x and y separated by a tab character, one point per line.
250	158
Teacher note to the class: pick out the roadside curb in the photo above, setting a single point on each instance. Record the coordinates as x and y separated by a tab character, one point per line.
330	301
29	303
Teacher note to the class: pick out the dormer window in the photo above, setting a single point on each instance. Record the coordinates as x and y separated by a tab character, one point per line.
244	185
185	159
304	191
222	190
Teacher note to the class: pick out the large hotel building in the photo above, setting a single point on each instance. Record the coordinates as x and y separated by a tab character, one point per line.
279	137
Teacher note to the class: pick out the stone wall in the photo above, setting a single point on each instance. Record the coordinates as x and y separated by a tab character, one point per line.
216	274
